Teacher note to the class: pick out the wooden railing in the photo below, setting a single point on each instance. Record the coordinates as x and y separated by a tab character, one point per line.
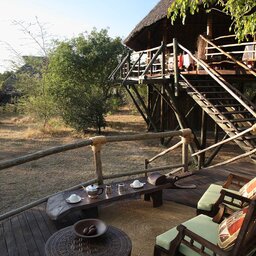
161	61
137	65
236	94
251	130
97	143
243	58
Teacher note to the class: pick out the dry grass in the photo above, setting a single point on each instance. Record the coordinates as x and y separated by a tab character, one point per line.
25	183
31	181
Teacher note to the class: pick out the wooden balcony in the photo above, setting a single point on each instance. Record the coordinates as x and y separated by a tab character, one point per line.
27	232
166	61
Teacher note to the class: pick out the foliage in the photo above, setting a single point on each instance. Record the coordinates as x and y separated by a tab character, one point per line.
242	13
78	71
4	76
36	100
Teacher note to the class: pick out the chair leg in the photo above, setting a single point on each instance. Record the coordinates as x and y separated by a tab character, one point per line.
157	251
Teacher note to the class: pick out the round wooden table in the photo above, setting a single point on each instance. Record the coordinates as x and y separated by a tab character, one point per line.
64	242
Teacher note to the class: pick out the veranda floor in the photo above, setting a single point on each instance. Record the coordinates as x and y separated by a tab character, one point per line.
26	233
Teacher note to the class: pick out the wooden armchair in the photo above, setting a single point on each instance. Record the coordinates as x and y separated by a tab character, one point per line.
201	234
209	203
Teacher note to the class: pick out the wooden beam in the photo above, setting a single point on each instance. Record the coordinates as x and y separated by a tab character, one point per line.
144	106
215	152
136	104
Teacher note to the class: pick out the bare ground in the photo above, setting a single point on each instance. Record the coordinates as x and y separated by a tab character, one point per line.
31	181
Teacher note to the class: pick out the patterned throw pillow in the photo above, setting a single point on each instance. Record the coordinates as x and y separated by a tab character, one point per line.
249	189
230	227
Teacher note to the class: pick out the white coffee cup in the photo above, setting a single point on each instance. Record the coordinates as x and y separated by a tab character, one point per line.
137	183
74	198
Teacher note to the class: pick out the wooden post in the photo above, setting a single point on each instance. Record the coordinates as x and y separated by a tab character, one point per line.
163	59
162	111
203	138
208	32
96	148
186	140
175	67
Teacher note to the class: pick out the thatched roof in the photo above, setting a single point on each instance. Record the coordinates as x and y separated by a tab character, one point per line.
157	13
156	27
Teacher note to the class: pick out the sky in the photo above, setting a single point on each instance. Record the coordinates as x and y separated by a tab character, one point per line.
63	19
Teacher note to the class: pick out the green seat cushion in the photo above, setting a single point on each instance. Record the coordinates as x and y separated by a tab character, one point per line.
201	225
210	197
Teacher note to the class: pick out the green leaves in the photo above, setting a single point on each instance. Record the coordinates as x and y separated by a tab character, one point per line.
78	72
242	12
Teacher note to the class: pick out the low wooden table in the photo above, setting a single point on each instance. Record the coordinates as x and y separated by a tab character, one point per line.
64	242
57	206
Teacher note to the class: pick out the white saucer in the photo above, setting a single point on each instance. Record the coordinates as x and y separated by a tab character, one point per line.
77	200
141	186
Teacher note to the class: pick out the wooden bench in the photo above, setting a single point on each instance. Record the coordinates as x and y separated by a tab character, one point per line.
57	207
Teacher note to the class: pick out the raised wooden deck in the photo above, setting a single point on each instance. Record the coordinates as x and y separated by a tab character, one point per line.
26	233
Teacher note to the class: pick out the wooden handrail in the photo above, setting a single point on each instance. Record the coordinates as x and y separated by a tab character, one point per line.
219	80
233	159
152	60
164	152
252	128
134	64
96	143
230	45
229	56
120	65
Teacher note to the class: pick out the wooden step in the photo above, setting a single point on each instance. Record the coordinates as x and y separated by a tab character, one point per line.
222	98
236	120
221	92
227	105
250	137
242	128
243	120
235	112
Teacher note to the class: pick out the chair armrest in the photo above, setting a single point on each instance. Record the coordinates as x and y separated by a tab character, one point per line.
191	238
231	200
236	181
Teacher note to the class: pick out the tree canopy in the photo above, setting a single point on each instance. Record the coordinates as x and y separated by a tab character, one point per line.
242	13
78	72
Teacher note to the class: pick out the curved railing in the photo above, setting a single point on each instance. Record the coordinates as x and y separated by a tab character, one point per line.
97	143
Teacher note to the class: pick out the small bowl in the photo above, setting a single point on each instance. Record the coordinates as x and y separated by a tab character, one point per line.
79	226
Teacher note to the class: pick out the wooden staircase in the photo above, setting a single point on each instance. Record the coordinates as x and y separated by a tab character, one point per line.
226	106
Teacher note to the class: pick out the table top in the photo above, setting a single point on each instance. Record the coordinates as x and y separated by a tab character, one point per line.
58	207
64	242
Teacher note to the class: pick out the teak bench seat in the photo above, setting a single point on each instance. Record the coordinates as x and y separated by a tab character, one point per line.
57	207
